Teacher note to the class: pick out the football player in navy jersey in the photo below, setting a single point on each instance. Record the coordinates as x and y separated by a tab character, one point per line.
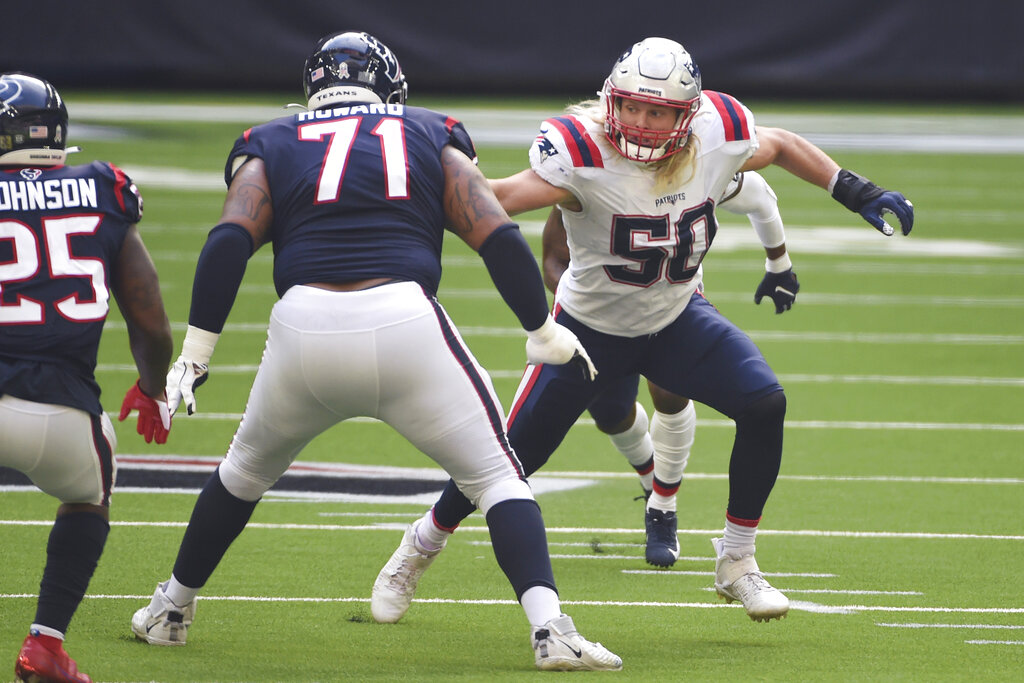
637	175
354	194
68	239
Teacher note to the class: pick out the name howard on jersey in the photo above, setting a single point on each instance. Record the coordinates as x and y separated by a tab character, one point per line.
66	193
389	109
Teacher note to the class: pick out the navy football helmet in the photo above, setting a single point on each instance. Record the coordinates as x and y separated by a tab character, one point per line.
352	67
33	121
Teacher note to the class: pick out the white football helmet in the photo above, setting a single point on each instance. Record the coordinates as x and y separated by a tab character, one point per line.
658	71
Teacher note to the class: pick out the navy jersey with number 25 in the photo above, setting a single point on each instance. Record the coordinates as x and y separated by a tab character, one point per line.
61	230
357	192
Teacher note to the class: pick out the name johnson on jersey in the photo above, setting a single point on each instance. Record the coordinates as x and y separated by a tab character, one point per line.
63	193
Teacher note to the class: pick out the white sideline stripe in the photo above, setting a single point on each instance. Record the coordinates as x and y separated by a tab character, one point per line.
688	572
983	626
901	338
810	299
994	642
785	378
392	526
797	605
858	425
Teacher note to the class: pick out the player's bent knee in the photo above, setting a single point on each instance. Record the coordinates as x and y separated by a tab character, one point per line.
506	489
239	484
766	410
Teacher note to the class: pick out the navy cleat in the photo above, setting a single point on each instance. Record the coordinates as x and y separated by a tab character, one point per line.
662	542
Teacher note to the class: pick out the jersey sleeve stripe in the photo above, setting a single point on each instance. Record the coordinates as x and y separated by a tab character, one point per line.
120	183
736	125
582	148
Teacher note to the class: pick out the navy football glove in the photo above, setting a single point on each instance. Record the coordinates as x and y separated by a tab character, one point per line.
781	287
862	196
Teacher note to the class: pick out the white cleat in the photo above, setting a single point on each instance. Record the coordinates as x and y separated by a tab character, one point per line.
161	622
739	578
396	583
557	646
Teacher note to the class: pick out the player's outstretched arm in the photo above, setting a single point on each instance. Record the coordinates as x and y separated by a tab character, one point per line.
476	216
804	160
750	194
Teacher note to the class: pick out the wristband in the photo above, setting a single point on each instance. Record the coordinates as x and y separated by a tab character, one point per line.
198	345
778	265
854	191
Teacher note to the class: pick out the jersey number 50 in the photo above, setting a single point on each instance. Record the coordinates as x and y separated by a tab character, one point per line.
654	241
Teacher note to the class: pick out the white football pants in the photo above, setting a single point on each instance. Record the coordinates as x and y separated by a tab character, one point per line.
391	353
55	446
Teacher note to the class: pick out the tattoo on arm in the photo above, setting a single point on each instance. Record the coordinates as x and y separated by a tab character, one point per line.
469	200
250	200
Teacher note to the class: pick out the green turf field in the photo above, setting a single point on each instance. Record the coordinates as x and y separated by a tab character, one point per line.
895	528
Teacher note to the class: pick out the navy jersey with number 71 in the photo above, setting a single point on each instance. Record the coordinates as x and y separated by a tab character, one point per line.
357	192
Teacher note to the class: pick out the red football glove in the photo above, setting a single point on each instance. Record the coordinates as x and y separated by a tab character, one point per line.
154	418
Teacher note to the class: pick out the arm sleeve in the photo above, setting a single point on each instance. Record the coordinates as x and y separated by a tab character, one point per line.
218	275
516	275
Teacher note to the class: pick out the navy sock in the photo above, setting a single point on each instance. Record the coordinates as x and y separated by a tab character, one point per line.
72	552
520	544
217	519
452	507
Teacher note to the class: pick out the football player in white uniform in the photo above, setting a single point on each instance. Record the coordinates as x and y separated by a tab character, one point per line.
659	448
637	175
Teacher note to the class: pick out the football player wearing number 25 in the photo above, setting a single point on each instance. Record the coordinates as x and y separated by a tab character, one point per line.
355	194
68	239
636	175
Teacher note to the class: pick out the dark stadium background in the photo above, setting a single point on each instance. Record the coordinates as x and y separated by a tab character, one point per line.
939	50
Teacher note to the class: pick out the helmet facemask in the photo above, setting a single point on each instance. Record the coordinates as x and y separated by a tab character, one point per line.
645	144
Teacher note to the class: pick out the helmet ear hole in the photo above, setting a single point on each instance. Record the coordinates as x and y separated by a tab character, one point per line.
352	67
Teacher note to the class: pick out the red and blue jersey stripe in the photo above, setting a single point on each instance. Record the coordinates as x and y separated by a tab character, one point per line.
737	126
582	149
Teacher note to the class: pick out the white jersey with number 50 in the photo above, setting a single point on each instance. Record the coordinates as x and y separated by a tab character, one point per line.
635	254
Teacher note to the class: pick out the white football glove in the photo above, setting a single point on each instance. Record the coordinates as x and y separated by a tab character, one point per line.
183	379
552	343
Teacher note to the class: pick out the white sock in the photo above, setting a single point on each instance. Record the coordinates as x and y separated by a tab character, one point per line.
41	630
738	539
636	446
672	436
179	593
541	605
429	536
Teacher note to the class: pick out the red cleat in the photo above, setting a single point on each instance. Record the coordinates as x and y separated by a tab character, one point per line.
43	660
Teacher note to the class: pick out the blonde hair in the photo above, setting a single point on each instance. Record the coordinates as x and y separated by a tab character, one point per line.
669	172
